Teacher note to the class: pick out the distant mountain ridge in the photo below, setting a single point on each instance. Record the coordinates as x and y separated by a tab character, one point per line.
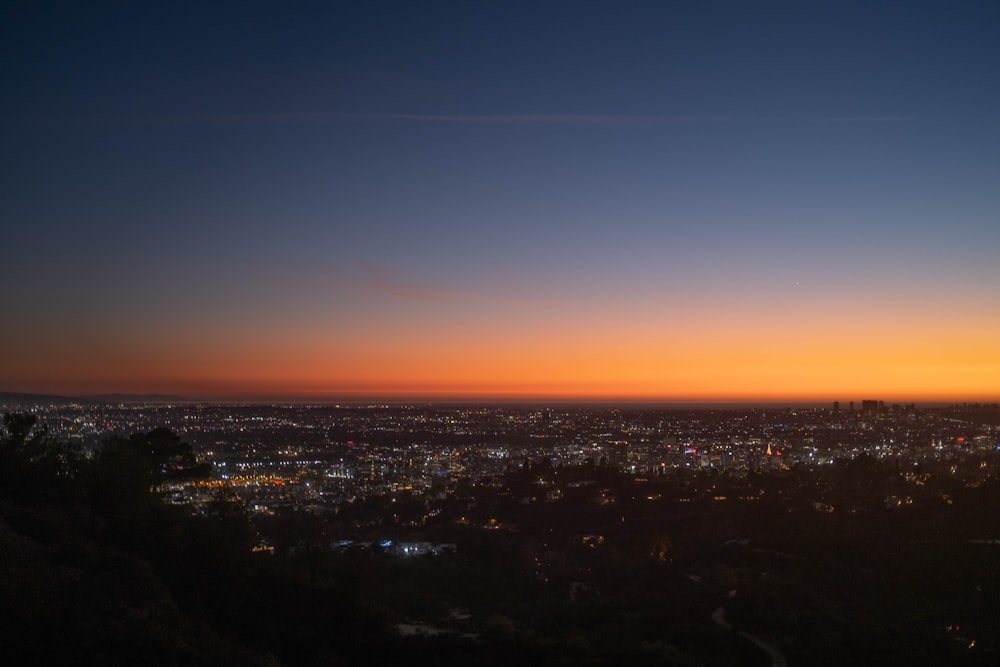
20	398
16	398
134	398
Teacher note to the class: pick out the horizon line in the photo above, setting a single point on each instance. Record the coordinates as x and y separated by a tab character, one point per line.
490	400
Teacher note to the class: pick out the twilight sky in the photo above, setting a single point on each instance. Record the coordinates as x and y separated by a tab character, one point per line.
678	200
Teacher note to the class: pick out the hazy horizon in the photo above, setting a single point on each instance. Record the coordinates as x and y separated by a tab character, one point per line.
349	400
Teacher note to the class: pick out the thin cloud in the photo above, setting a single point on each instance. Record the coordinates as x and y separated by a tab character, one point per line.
384	282
523	118
388	283
468	119
318	117
865	119
370	278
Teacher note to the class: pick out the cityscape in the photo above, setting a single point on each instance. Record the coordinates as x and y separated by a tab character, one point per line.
314	458
530	531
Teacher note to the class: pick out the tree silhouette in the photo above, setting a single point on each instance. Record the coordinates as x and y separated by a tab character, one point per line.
35	467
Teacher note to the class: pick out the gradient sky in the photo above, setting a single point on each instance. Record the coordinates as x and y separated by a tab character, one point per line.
678	200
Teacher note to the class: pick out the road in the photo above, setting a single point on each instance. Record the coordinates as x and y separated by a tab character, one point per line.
719	617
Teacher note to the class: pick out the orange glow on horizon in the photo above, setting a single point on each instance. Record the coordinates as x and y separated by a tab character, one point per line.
808	352
780	370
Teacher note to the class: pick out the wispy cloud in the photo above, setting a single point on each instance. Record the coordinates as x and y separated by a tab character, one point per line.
390	284
370	278
472	119
864	119
319	117
555	118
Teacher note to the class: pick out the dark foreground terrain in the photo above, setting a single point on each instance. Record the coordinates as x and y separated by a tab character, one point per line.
828	567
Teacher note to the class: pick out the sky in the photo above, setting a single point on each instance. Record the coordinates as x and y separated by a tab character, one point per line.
706	200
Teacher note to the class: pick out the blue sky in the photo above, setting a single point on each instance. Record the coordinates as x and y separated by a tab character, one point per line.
204	163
